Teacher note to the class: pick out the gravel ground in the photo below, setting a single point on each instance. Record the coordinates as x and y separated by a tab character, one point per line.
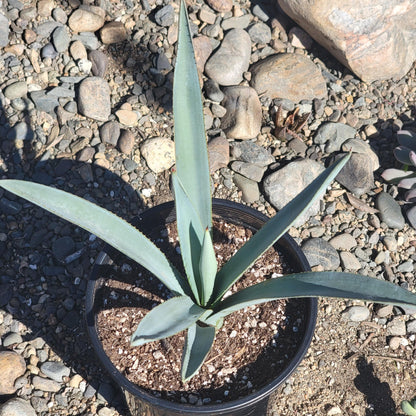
109	140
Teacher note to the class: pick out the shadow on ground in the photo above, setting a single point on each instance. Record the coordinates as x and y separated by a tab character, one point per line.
45	262
377	393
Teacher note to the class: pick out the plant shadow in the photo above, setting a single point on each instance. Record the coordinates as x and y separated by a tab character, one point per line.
378	394
46	261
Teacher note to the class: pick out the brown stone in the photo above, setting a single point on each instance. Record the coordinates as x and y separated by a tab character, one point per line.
85	154
29	35
94	98
45	7
126	142
203	49
221	6
206	15
77	50
173	34
12	366
376	39
242	120
291	76
127	117
218	153
16	49
113	32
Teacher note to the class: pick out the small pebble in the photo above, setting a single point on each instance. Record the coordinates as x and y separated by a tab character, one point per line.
126	142
45	384
356	314
55	370
12	339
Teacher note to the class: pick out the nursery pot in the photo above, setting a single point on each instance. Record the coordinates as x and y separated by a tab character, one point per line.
142	403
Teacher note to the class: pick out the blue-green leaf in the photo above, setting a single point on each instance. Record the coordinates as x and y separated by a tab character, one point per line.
263	239
199	340
313	284
407	139
104	224
207	267
408	408
190	140
191	236
401	153
167	319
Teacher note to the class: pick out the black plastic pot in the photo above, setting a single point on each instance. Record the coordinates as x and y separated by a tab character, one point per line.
140	402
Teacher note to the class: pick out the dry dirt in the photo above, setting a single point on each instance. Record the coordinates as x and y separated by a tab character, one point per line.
349	370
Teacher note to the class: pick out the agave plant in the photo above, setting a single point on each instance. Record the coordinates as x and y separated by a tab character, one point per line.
409	407
405	153
198	304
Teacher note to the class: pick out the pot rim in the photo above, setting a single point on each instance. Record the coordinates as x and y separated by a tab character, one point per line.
251	399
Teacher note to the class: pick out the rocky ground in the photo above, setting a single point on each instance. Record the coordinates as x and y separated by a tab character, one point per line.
85	94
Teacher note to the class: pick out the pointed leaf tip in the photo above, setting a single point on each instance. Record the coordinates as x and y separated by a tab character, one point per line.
199	340
167	319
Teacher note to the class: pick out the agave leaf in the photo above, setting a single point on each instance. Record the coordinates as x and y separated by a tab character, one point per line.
104	224
395	175
313	284
190	141
408	408
263	239
412	157
407	139
410	196
401	153
199	340
191	236
408	182
167	319
207	267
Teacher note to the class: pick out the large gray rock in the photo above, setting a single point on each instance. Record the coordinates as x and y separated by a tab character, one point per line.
360	146
283	185
17	407
227	65
242	120
288	75
376	39
357	174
